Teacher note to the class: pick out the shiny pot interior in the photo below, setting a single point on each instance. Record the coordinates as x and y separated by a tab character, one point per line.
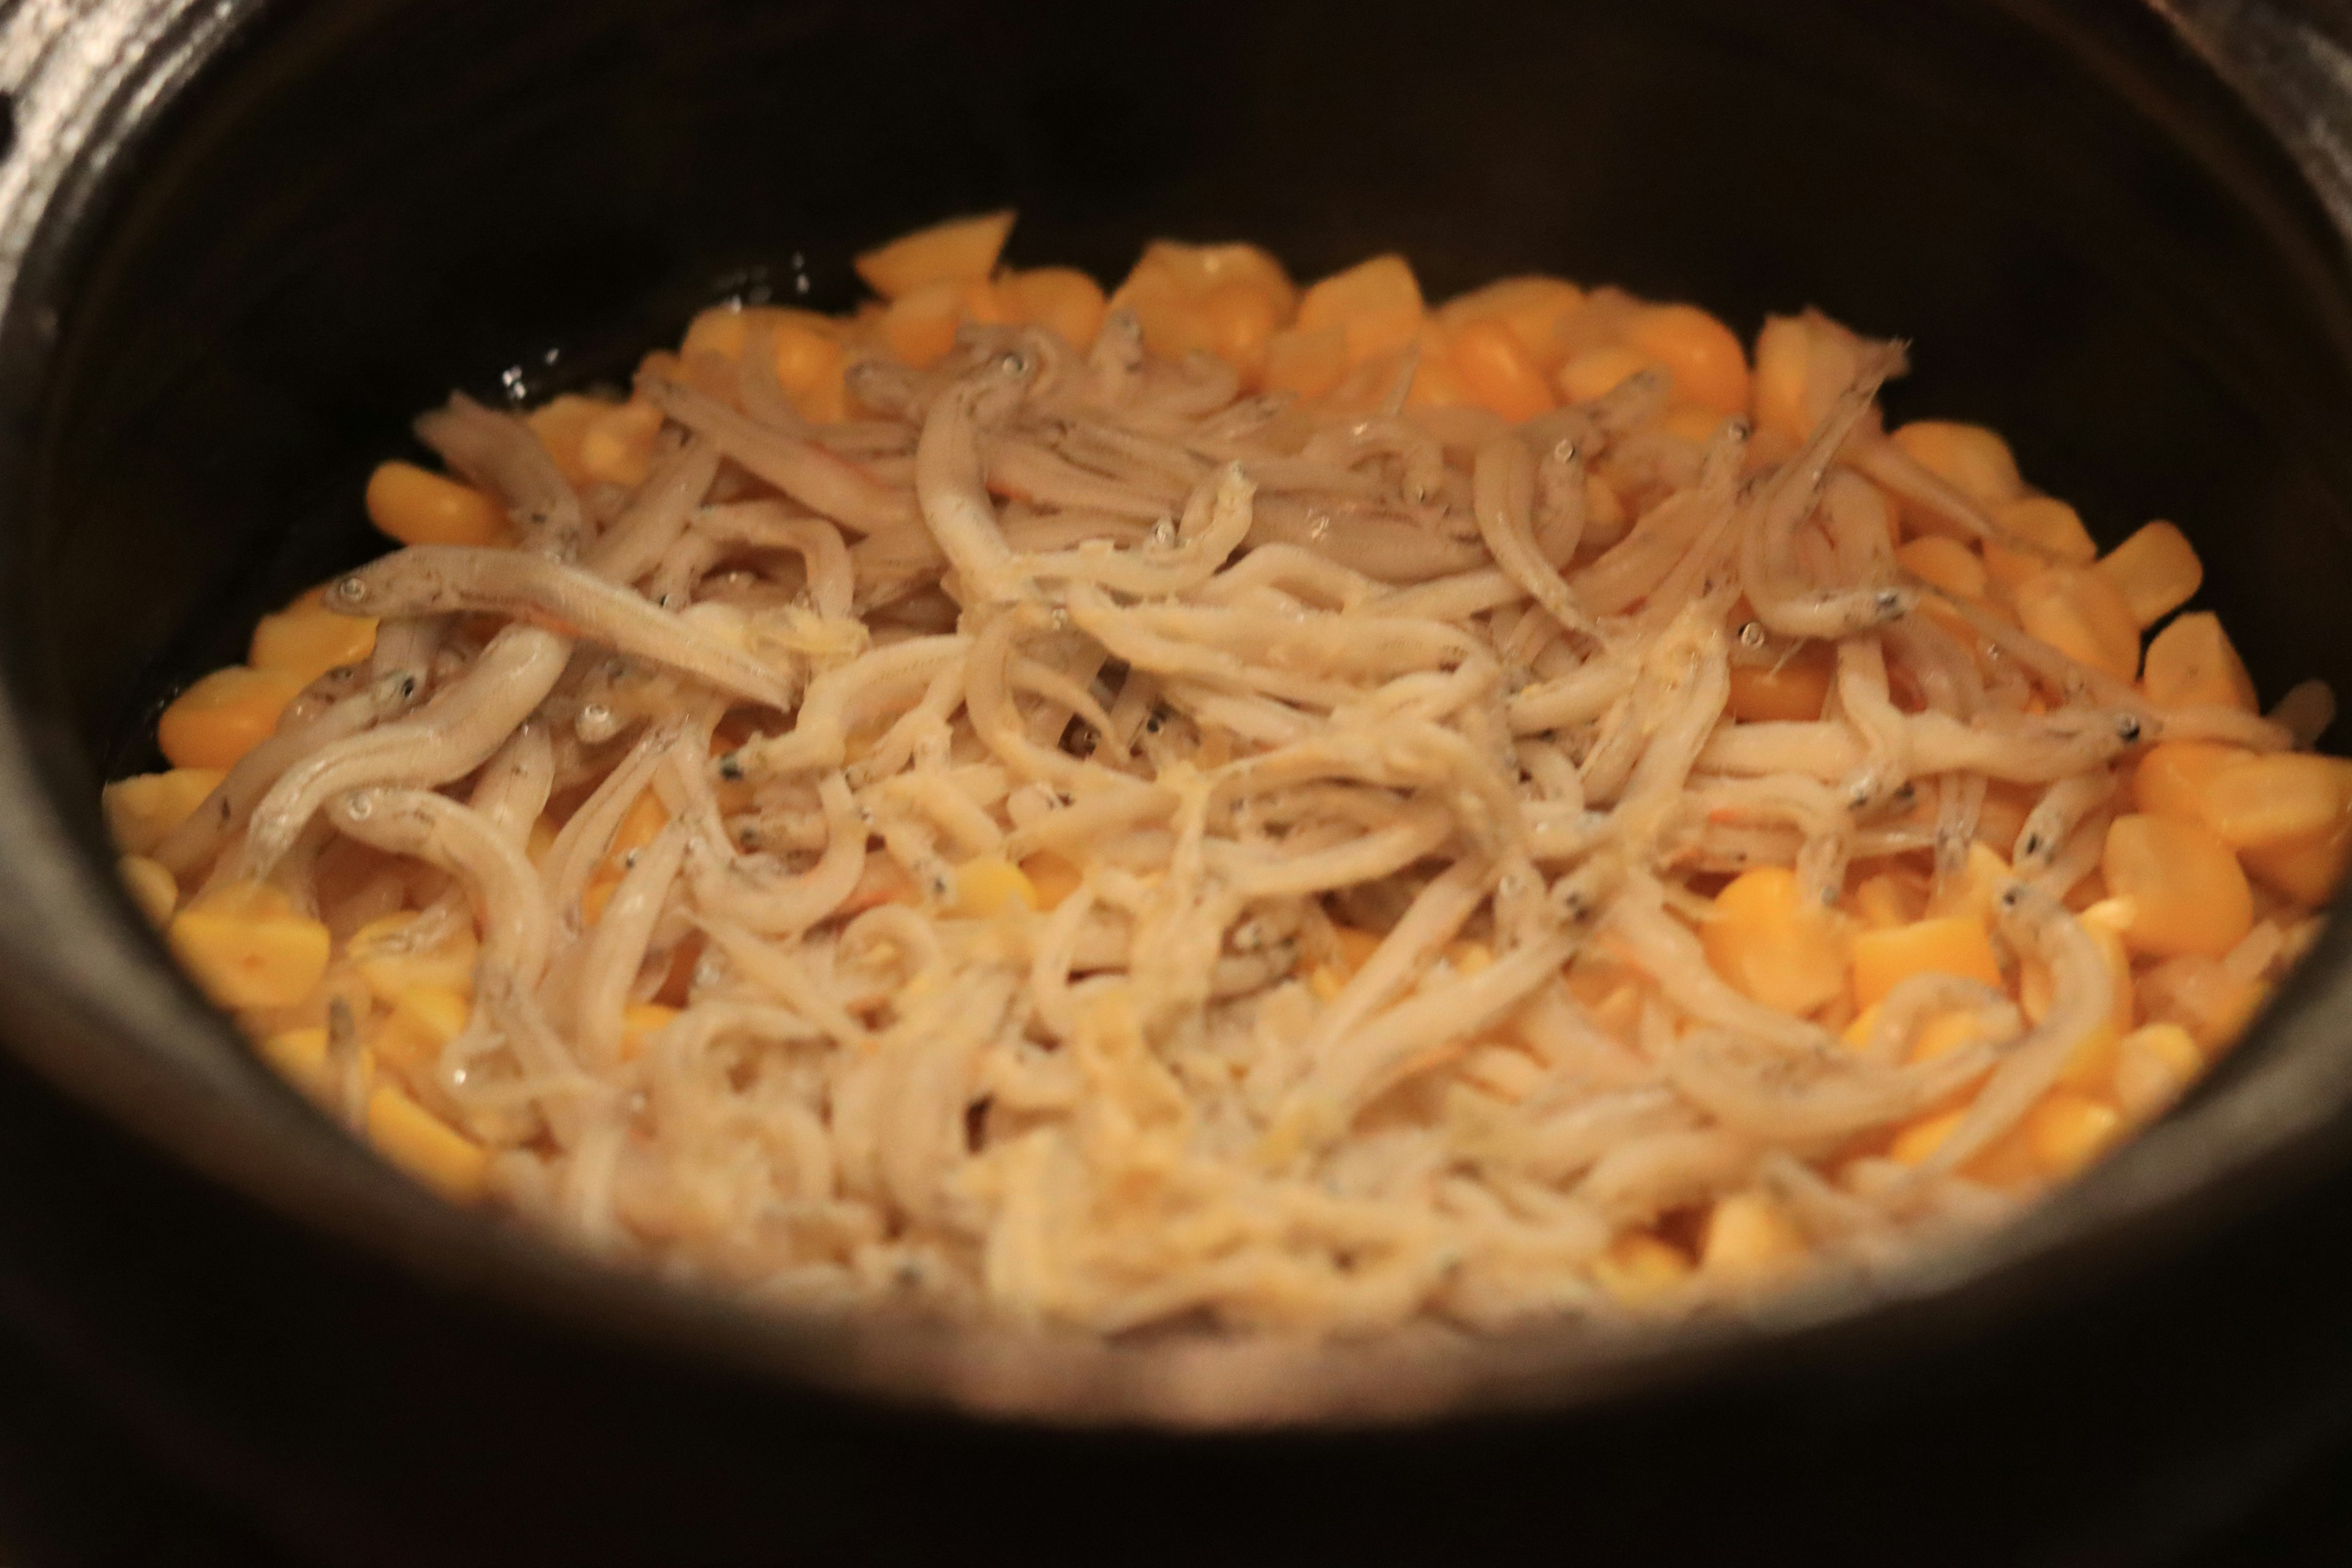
296	226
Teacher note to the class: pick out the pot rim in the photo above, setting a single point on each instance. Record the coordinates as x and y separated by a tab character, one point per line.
91	1003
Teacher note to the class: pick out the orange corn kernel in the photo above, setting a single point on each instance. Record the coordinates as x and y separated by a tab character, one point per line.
616	448
248	947
2069	1130
1309	364
1692	422
1638	1269
2200	995
1596	372
142	809
306	642
398	952
1887	899
1053	878
223	715
416	507
2153	1066
1060	299
1774	944
2156	570
425	1146
920	327
1921	1139
1971	458
1802	362
2174	777
1950	945
2191	662
1377	303
2307	869
1498	371
1532	308
1794	689
423	1020
991	886
811	363
1198	270
2187	891
639	1022
1236	322
2252	801
151	885
961	250
1748	1234
2084	615
560	423
2050	526
1945	562
1702	355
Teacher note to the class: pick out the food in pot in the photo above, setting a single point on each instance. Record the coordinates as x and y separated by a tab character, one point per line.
1239	804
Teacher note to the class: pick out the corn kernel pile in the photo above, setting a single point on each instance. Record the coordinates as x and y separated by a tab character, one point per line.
1227	800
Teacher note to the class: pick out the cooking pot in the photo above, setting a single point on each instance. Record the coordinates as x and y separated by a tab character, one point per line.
240	242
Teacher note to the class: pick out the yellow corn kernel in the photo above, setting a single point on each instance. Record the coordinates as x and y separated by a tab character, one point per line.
418	507
2187	890
2156	570
1498	371
2051	526
423	1019
1773	943
1310	364
1701	355
425	1146
1052	877
959	250
639	1022
2084	615
299	1057
1794	687
2254	801
305	642
1692	422
1596	372
616	446
811	365
1638	1269
151	887
143	809
1060	299
223	715
1948	945
1971	458
1376	304
2174	777
2153	1066
1921	1139
1530	309
1326	983
2192	662
2307	870
988	887
1945	562
397	952
1795	358
248	948
2069	1130
1750	1234
1198	270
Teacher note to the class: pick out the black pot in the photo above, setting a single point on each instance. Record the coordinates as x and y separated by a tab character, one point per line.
241	242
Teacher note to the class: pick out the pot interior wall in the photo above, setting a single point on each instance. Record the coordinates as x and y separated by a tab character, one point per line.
2089	245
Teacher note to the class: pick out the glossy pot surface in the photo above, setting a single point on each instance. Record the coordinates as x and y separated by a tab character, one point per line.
240	243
